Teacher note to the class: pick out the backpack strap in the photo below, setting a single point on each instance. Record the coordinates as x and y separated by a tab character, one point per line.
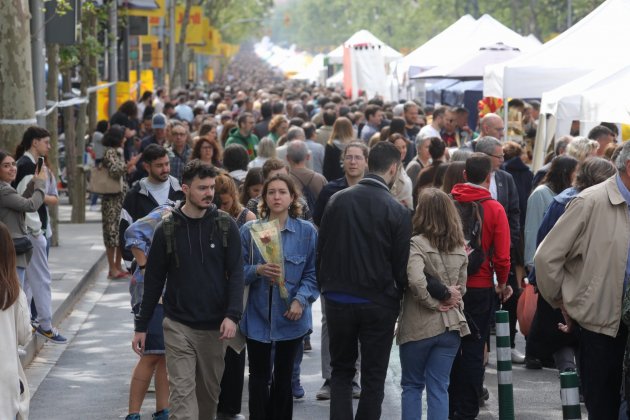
223	222
168	226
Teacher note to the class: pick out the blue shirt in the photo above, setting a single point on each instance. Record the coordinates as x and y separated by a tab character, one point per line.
264	318
626	196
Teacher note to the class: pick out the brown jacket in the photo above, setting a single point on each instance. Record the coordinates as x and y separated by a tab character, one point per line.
420	317
582	261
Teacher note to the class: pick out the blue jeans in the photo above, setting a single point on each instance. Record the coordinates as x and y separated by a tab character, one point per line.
427	362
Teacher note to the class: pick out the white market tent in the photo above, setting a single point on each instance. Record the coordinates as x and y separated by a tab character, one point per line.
599	39
472	67
467	39
363	37
313	72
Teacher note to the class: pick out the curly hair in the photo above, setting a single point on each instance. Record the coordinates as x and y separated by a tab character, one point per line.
275	123
217	152
295	208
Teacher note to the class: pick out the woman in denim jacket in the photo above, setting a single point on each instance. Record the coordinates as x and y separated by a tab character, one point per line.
268	319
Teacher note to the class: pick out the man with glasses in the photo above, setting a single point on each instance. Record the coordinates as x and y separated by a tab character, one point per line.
503	189
180	151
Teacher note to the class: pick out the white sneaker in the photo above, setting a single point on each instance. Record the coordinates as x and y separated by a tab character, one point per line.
517	357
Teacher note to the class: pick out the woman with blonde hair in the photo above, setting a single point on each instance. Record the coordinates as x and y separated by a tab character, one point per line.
266	150
278	127
342	134
15	328
430	330
582	147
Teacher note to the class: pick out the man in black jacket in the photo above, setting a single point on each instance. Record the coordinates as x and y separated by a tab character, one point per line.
158	188
362	256
203	300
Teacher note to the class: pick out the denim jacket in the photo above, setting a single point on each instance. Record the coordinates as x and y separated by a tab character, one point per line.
265	324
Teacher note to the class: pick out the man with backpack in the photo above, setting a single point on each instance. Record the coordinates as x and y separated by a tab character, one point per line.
487	234
309	182
201	255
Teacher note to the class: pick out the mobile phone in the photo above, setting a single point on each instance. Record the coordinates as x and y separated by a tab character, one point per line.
40	163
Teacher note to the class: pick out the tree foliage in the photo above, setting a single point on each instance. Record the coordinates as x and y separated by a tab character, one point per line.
320	25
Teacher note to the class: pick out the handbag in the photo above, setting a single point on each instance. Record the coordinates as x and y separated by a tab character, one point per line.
102	183
22	245
526	309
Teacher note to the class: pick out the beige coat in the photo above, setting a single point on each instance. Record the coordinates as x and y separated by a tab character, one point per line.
582	261
420	317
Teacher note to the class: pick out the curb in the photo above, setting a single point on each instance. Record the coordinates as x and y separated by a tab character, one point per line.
36	343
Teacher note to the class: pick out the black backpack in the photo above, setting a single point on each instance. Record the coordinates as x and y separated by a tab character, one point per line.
471	214
307	193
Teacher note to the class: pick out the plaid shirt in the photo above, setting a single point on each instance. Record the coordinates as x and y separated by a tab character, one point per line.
178	161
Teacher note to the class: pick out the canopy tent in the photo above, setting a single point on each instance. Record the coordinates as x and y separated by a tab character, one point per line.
434	90
472	67
455	95
335	80
363	37
432	53
574	53
314	71
467	40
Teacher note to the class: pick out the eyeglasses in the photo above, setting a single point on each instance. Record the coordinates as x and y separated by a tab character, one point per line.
357	158
9	165
501	157
178	133
207	147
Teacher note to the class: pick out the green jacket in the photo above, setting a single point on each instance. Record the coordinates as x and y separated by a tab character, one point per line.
250	143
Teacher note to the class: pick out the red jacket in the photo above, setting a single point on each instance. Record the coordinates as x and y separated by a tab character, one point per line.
495	233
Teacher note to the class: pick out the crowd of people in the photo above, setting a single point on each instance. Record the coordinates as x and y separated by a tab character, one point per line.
401	219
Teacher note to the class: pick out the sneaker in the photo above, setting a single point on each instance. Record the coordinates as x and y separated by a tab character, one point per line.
324	391
307	344
356	390
224	416
518	358
485	396
133	416
21	351
53	335
532	363
34	325
298	390
160	415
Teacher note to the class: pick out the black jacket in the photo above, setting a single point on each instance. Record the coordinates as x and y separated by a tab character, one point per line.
324	196
522	176
363	244
507	195
207	284
138	203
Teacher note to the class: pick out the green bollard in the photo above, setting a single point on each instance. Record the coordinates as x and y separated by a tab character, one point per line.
570	394
504	366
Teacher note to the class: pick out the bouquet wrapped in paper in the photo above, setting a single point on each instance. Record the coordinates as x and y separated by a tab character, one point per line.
266	236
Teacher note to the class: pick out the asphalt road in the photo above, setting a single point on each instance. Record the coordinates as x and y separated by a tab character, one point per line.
89	378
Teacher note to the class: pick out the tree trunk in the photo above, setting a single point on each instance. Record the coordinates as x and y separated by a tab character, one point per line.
69	125
92	75
17	103
179	78
52	93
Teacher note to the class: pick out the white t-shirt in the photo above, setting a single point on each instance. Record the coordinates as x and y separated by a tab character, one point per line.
428	131
159	191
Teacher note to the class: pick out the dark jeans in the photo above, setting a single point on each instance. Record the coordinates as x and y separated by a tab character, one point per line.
373	326
600	362
275	402
467	372
232	382
511	305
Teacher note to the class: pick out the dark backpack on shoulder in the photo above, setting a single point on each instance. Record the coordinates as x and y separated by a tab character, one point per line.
471	214
222	223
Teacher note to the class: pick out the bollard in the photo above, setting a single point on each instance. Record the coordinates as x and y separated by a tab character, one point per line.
504	366
570	394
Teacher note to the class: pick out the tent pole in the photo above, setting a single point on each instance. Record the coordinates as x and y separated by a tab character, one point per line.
505	118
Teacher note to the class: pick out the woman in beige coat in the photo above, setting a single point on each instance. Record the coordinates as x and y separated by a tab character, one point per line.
430	330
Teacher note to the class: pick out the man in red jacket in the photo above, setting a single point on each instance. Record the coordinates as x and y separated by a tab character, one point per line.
468	369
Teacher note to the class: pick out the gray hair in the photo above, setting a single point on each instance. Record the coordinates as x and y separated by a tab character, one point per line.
295	133
460	155
420	139
623	157
487	144
297	151
267	148
581	148
398	110
561	145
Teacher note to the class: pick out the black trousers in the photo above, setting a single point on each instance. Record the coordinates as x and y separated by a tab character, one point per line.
373	326
601	368
468	370
273	402
232	382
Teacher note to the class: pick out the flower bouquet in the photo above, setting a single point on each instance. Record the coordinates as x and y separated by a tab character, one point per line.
266	236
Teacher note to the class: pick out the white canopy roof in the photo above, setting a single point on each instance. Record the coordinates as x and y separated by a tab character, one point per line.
600	39
363	37
472	66
466	39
